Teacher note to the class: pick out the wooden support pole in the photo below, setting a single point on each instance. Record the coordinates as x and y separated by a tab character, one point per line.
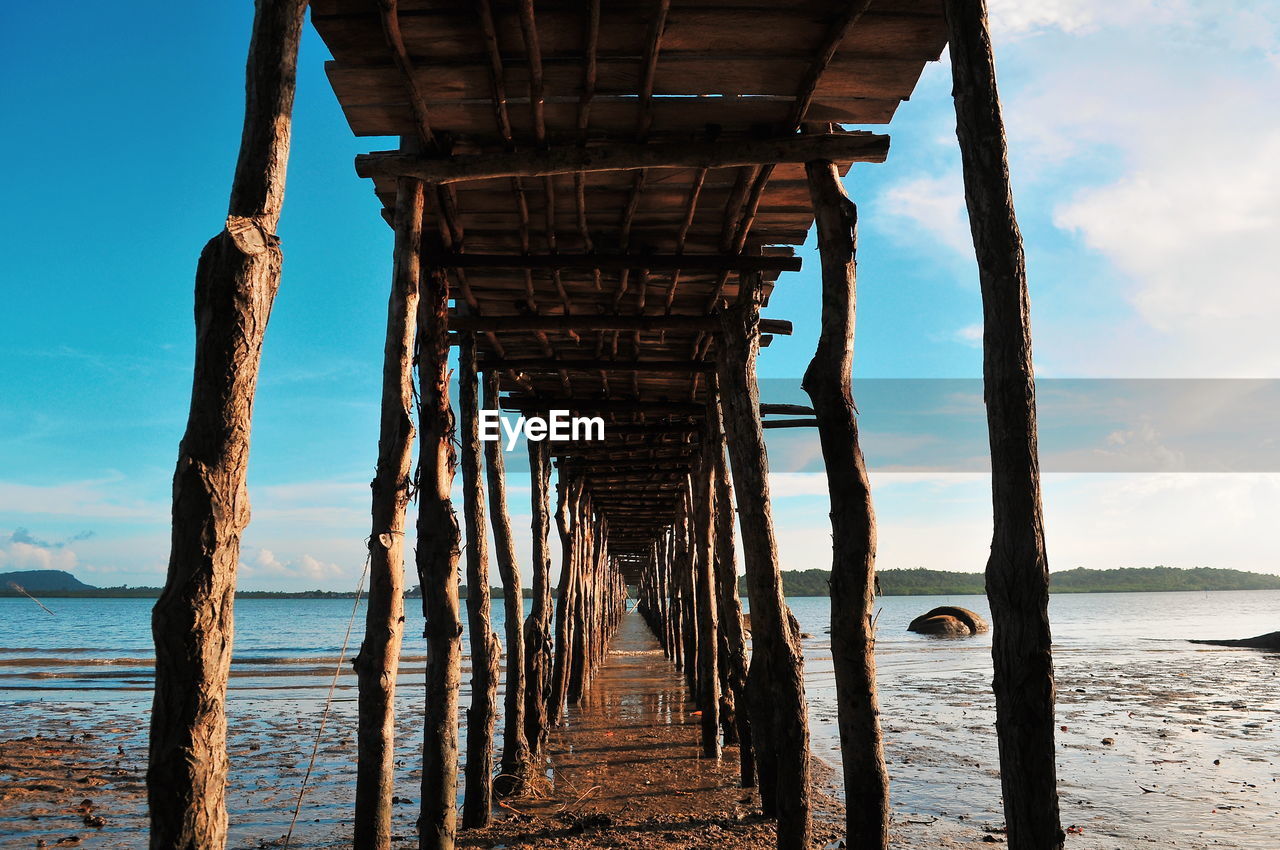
734	643
378	662
515	769
1017	570
568	494
618	262
617	156
537	629
477	803
688	602
779	719
704	579
437	561
237	278
829	383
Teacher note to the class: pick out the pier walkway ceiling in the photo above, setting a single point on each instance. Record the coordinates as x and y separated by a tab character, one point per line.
600	177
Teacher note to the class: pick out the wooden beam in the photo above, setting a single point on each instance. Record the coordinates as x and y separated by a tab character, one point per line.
613	262
597	405
790	423
552	364
569	159
613	322
797	409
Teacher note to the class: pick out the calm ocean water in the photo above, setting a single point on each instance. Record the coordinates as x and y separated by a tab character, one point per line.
101	648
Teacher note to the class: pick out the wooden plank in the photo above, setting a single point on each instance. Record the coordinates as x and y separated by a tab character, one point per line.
616	262
734	74
841	147
545	364
590	323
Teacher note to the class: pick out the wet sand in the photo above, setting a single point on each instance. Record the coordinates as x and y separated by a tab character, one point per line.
1153	753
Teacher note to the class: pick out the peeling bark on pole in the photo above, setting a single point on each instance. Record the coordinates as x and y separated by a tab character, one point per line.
829	383
1017	571
566	521
379	659
477	803
437	561
537	629
236	283
777	667
515	767
705	583
731	607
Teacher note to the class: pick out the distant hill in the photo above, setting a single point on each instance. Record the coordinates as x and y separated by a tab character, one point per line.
42	581
922	582
915	582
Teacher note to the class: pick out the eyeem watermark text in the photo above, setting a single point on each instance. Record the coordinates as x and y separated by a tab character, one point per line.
557	426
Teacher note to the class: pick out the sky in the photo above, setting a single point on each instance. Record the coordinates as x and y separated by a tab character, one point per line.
1144	139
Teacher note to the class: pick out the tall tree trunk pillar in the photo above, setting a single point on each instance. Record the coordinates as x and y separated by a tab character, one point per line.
1017	570
379	659
437	560
515	768
780	720
477	804
829	383
236	283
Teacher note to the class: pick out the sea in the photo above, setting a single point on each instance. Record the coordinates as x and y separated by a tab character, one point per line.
1161	742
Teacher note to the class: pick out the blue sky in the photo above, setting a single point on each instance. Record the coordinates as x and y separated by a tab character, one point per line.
1145	142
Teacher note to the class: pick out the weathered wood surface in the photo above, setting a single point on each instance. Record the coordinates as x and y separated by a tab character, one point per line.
477	803
733	646
378	661
236	282
438	551
510	324
846	147
704	507
1017	570
515	766
619	262
829	383
779	719
537	630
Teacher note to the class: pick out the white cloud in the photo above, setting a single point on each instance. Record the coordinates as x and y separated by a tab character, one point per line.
93	498
17	554
970	335
933	204
263	563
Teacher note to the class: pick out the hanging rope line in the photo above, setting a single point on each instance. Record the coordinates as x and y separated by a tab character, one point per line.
328	703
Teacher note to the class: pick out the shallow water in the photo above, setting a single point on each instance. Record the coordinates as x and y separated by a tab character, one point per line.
1125	672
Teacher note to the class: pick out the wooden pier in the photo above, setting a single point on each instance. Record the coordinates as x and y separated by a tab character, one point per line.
593	202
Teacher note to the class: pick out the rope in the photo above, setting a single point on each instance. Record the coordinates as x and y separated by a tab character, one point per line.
328	703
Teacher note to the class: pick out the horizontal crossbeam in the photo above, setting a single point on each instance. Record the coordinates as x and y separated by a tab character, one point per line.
570	159
616	262
552	364
510	324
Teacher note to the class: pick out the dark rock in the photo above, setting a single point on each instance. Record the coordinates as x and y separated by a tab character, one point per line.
948	621
941	626
1267	641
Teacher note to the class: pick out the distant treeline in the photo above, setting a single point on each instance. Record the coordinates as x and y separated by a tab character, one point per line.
922	582
52	584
